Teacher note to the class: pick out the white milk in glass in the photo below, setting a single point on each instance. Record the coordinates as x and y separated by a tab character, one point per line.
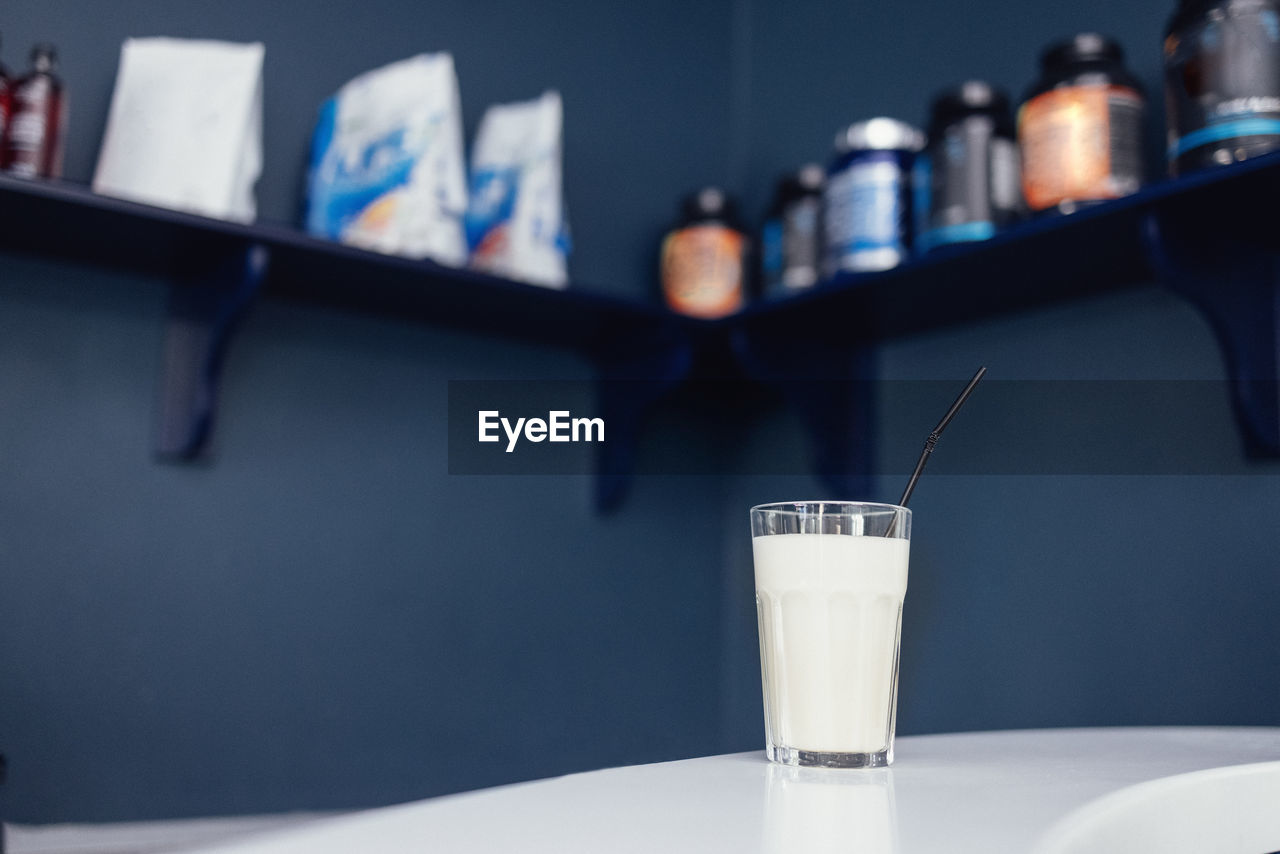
830	608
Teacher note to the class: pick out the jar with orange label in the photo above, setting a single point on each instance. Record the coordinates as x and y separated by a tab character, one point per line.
702	259
1080	127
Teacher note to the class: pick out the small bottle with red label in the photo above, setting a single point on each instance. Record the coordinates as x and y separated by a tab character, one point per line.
703	258
1080	127
5	106
37	117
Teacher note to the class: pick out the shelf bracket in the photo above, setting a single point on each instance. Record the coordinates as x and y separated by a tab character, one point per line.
630	379
205	307
828	385
1229	268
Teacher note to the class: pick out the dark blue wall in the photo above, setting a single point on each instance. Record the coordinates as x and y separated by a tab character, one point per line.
1081	599
1034	600
323	617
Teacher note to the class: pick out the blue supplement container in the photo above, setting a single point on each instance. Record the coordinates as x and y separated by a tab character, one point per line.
867	199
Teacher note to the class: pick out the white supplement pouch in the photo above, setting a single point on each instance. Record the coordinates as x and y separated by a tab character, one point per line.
515	217
387	168
185	127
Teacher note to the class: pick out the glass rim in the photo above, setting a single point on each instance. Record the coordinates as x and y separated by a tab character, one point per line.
838	507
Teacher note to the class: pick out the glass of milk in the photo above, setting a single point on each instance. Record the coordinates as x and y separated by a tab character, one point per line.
830	579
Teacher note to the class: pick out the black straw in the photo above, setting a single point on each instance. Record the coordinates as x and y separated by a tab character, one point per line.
937	431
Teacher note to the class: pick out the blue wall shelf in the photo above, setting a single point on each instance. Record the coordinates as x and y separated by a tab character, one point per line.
70	222
1211	237
1044	260
217	269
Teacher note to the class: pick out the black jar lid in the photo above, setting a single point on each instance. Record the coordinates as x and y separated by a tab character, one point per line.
971	98
1188	11
1197	7
710	204
809	178
806	181
1082	48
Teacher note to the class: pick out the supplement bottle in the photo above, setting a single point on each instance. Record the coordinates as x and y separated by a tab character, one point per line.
1080	127
702	259
867	200
6	106
1222	82
967	181
791	239
34	145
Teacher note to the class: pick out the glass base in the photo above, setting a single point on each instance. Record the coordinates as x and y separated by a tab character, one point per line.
815	759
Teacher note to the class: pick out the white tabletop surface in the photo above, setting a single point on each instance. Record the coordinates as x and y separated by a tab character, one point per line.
976	792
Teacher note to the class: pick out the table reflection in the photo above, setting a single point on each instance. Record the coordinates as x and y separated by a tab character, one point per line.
817	810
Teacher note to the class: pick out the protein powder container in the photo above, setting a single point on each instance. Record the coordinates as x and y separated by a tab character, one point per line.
37	117
1222	82
5	106
702	258
967	181
1080	127
867	200
791	238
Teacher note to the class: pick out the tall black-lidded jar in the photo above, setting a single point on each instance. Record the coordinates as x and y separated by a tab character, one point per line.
1222	82
967	180
1080	126
791	238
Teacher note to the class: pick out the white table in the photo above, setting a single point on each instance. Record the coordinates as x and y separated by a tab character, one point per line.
1050	791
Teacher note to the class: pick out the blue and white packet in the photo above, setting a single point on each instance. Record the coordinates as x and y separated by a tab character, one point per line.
515	219
387	168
